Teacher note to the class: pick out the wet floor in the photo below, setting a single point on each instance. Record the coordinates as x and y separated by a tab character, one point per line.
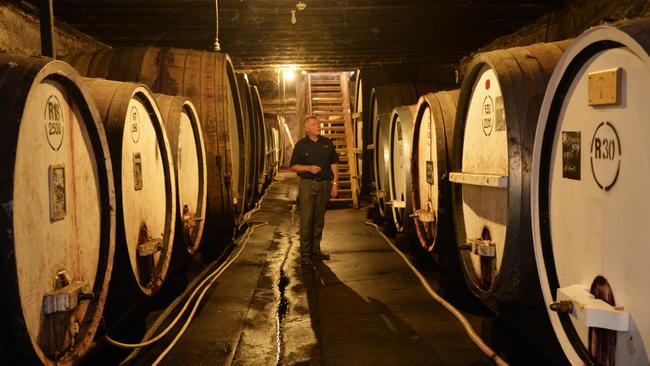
362	307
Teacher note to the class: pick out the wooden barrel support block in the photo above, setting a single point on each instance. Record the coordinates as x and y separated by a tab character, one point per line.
590	220
400	139
497	111
145	178
185	137
57	217
431	158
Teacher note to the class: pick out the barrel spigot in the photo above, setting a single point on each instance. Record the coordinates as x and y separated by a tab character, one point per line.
562	307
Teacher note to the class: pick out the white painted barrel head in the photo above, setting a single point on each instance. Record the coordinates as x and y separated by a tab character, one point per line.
235	139
61	210
485	152
591	169
191	176
427	173
148	192
382	160
400	140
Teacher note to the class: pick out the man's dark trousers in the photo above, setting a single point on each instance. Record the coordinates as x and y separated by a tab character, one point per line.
313	196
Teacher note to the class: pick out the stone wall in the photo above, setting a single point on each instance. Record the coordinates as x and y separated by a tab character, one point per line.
20	33
569	22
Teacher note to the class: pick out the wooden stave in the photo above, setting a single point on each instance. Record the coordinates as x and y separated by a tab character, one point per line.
246	100
271	122
32	70
112	98
443	107
406	114
633	36
519	284
171	108
142	64
268	154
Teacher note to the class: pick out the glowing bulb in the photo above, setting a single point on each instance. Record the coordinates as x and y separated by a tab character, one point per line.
289	72
293	17
301	5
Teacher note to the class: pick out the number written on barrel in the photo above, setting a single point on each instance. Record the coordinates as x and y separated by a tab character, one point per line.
605	155
53	119
487	115
135	125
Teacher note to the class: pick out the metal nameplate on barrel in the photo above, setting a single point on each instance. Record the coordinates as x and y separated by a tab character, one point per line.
604	87
57	192
137	171
429	171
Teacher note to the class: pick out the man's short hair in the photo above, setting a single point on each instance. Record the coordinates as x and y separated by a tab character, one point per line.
311	116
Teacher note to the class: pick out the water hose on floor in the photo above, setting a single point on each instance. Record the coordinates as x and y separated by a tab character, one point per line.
208	274
471	333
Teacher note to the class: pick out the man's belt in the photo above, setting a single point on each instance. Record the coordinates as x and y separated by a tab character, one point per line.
317	179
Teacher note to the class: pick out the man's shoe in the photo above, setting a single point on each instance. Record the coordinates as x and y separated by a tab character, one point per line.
305	260
321	256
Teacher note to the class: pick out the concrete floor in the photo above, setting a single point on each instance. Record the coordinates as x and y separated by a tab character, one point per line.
362	307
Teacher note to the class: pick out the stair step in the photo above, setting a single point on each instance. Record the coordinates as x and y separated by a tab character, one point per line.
325	88
324	113
328	94
334	135
340	199
321	82
328	100
332	128
325	108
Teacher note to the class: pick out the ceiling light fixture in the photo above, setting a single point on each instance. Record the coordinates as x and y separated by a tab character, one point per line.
301	5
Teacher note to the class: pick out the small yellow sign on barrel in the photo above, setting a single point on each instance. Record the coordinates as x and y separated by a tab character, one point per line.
604	87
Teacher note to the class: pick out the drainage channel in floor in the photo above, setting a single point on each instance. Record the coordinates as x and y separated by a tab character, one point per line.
283	304
283	308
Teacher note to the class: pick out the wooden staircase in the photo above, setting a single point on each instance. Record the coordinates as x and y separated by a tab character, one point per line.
329	99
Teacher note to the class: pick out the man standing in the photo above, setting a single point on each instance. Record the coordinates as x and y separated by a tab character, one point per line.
314	159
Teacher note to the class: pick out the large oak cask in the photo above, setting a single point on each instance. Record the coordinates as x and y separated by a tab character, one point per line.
57	213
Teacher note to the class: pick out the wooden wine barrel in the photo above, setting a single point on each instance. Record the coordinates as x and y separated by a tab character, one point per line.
250	158
434	77
57	213
590	217
382	101
185	137
208	79
261	135
497	112
430	159
145	180
400	138
278	125
275	127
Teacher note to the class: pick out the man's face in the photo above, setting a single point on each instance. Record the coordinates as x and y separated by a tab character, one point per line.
312	127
